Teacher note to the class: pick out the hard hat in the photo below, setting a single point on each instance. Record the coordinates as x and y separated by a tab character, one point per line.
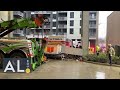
109	45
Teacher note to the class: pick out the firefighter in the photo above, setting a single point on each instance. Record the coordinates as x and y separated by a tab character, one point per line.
110	53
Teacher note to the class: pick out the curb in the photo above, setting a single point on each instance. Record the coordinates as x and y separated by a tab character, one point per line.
102	63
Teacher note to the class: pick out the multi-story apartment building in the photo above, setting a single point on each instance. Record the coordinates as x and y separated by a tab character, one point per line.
67	23
93	28
113	31
18	14
113	28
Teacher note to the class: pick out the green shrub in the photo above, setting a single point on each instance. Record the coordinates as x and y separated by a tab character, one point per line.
102	58
84	58
91	57
115	59
118	62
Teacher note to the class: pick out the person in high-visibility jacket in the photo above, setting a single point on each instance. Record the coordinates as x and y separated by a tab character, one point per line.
97	50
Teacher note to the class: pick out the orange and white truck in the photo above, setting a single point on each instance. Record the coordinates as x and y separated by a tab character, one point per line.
59	47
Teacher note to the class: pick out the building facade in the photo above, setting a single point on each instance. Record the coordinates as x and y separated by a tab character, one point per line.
93	29
113	28
67	23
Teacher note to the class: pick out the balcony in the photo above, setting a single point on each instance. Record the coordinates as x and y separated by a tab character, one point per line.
41	12
92	11
92	18
92	36
62	26
62	11
17	13
92	26
64	34
62	18
46	26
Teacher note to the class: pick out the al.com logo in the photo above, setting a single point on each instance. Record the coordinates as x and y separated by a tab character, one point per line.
21	65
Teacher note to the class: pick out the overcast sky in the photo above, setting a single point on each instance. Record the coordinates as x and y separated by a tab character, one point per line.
103	23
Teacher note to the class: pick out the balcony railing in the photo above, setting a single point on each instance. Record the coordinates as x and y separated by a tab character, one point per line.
18	13
92	26
62	26
62	33
41	12
92	11
46	27
92	36
62	18
62	11
92	18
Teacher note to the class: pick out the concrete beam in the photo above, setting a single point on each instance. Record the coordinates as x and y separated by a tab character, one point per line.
6	15
85	32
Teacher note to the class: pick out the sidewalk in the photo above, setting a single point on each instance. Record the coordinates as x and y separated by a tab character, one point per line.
107	64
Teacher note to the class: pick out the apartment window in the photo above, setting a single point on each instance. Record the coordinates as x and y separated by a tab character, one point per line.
80	31
59	31
78	40
64	30
71	22
71	31
71	14
92	23
54	16
92	15
92	32
80	22
54	31
80	14
54	24
73	39
37	30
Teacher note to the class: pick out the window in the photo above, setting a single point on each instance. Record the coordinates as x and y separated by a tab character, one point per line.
54	24
78	40
71	31
54	16
80	22
80	14
92	23
59	32
71	14
65	30
92	15
71	22
37	30
92	32
80	31
54	31
73	39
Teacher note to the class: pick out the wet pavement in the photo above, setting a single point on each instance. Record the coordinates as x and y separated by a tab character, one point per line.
57	69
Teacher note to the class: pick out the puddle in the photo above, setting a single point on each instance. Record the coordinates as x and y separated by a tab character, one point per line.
100	75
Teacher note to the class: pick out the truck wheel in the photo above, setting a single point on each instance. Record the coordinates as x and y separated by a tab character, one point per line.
17	55
62	56
1	60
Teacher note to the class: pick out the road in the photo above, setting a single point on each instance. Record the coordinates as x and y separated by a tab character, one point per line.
57	69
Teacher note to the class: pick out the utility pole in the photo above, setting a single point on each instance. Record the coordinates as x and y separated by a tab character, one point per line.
85	32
